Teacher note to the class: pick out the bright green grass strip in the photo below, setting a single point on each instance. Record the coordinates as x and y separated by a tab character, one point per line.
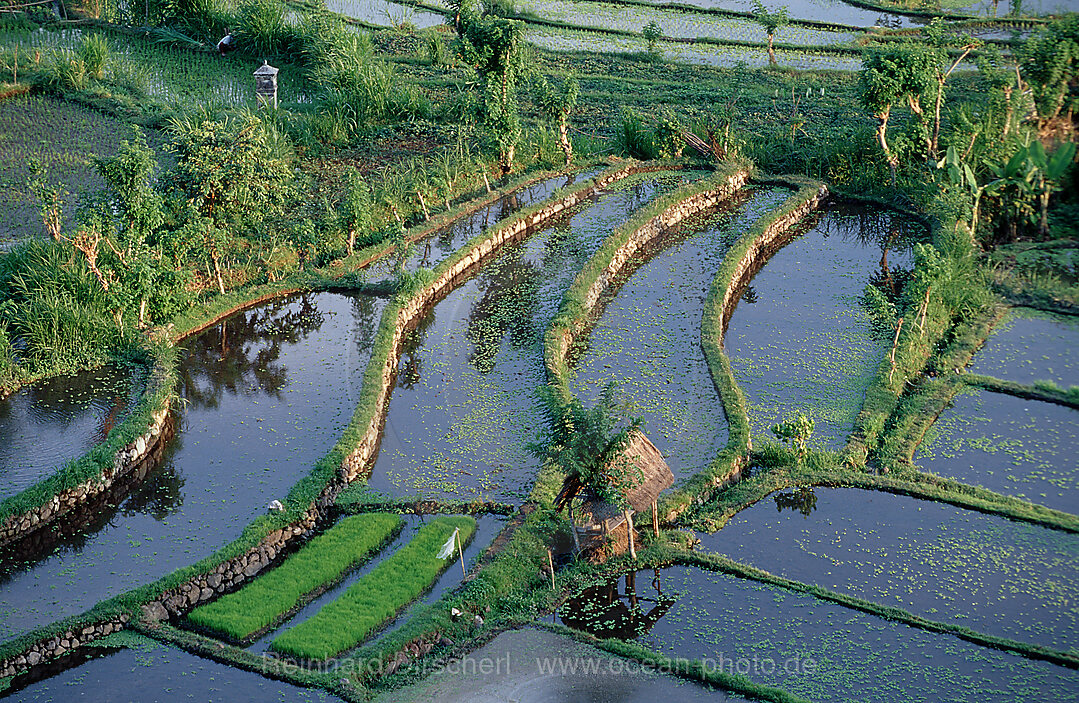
376	597
324	560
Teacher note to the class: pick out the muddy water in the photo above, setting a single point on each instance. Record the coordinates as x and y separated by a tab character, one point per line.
464	409
534	666
1013	446
799	340
265	394
149	671
811	648
1032	346
947	564
45	425
432	250
648	339
487	528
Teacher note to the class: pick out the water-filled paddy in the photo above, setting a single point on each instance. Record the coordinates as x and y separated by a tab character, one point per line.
487	528
386	14
534	666
674	24
822	10
1032	346
647	340
56	420
1007	444
947	564
431	251
464	408
265	394
799	340
701	54
817	650
148	671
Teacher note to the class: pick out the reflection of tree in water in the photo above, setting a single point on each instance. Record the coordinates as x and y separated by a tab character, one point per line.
160	495
240	355
366	316
410	366
870	225
606	613
749	295
510	286
802	499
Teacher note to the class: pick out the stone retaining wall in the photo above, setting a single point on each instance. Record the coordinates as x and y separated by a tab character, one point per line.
359	460
126	460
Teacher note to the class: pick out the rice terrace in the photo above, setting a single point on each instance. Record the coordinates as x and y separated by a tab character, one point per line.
539	350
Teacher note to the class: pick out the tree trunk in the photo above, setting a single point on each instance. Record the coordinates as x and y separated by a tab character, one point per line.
563	136
771	50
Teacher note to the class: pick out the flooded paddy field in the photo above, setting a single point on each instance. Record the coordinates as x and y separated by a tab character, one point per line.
148	671
464	407
818	650
1014	446
944	563
56	420
1031	346
647	339
265	393
799	339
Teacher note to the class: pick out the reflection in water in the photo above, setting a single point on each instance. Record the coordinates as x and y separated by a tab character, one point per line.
241	355
507	304
607	613
802	499
264	395
56	420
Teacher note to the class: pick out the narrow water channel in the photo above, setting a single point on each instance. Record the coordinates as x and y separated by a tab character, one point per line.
647	340
464	408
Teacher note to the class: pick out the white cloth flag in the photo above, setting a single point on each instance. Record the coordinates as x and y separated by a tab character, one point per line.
447	548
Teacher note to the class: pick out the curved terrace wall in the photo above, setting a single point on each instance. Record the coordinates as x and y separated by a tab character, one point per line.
265	539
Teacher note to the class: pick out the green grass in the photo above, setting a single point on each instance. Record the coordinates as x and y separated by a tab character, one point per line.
323	561
376	597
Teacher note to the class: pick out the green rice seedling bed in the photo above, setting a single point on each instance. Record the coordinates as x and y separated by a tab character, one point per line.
370	602
321	562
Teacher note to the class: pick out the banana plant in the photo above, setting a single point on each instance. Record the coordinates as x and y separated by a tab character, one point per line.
961	175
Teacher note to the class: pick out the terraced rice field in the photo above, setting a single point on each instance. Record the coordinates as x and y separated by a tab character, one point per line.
1013	446
946	564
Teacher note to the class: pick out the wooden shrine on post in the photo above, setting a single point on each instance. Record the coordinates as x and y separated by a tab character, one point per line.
266	84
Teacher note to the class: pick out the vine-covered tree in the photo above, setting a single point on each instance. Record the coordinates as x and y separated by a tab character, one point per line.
556	103
493	47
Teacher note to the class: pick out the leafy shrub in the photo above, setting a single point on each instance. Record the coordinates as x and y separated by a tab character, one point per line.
632	138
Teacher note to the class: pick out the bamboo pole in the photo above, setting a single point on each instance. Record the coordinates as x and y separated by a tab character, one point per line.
461	553
655	519
550	561
629	533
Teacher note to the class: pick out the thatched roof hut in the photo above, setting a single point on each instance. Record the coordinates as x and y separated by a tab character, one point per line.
599	522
